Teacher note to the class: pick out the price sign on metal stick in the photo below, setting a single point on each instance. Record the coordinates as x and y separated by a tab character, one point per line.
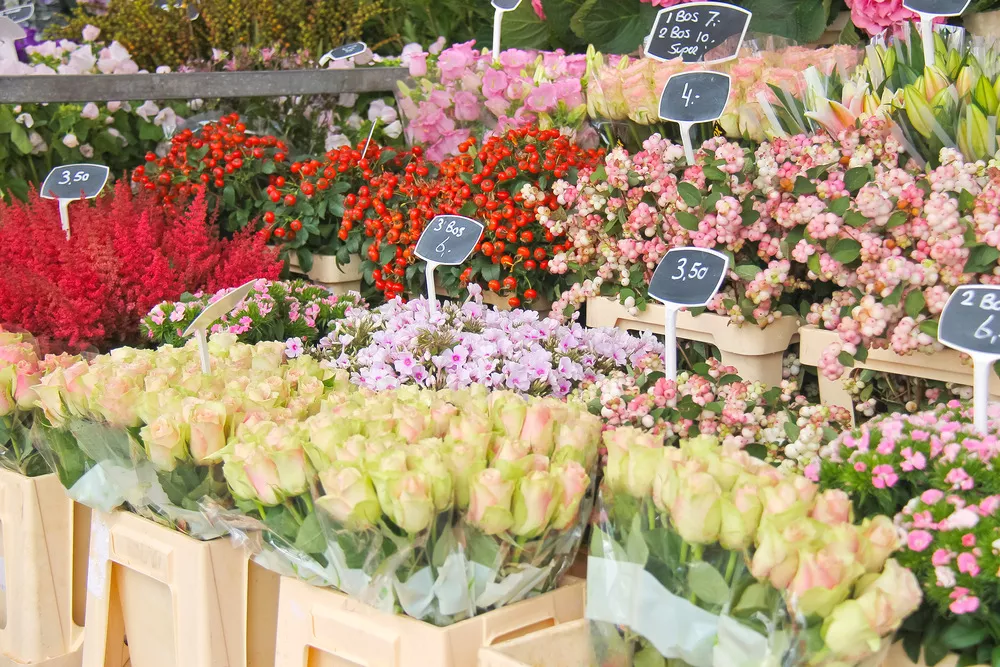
928	10
500	6
19	13
73	182
698	32
213	312
10	32
694	97
447	241
970	323
685	278
344	52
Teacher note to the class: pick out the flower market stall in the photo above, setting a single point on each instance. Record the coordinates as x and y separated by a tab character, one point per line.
517	333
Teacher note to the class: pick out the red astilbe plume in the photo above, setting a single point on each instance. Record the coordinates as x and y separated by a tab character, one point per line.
125	256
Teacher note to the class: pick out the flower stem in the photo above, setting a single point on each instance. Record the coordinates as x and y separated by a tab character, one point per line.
731	567
291	508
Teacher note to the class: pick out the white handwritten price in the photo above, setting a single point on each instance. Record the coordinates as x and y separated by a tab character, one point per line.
687	95
698	271
456	231
68	177
682	16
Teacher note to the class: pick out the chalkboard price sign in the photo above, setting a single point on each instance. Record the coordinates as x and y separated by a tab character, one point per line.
694	97
505	5
19	13
698	32
937	7
344	52
689	277
970	321
75	181
449	240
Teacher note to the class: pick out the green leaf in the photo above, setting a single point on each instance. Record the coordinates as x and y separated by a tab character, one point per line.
635	544
305	258
803	186
862	354
19	138
897	219
747	271
855	219
613	27
523	29
792	430
929	327
963	634
914	303
846	359
707	583
894	297
149	132
839	206
687	221
800	21
981	259
229	196
846	251
689	193
813	264
754	598
855	178
310	537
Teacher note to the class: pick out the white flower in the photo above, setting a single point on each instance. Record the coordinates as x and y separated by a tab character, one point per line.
113	107
167	119
26	120
437	46
87	150
38	145
218	55
945	576
382	111
118	135
163	69
293	348
194	105
91	33
90	111
115	59
147	110
70	141
348	99
393	129
354	121
336	140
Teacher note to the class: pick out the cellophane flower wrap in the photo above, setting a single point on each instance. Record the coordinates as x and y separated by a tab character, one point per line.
937	474
143	428
436	504
705	556
294	312
21	369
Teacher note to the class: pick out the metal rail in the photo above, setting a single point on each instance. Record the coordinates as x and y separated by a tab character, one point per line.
196	85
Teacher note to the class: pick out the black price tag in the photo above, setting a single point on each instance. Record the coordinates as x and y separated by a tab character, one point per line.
937	7
699	32
75	181
449	239
344	52
694	97
970	321
505	5
689	277
19	13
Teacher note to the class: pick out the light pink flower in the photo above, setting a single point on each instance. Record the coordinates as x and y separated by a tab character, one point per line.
918	540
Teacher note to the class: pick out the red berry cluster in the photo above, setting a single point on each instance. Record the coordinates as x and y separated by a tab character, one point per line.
220	158
503	184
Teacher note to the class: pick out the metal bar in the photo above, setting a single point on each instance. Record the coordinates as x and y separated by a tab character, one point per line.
196	85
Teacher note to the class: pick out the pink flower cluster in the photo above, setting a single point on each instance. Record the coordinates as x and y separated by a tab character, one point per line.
936	473
463	92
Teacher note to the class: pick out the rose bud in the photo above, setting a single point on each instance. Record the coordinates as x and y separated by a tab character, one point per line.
490	497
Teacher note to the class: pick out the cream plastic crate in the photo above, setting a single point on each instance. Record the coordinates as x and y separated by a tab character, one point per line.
37	568
756	353
946	366
339	279
566	645
179	601
320	627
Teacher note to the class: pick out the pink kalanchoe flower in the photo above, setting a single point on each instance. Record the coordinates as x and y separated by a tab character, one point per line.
967	563
539	11
918	540
963	602
941	557
884	476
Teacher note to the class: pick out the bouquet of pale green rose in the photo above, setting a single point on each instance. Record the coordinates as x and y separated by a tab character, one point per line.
436	504
141	427
707	557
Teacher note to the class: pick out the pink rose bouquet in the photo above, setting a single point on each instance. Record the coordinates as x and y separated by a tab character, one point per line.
936	474
21	369
146	427
745	561
436	504
464	93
